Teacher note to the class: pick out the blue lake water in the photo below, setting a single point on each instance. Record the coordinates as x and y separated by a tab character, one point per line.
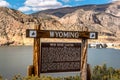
15	60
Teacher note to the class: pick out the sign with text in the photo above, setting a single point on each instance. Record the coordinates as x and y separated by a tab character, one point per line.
61	34
60	57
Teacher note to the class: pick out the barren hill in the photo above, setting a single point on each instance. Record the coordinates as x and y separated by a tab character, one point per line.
12	29
102	18
13	25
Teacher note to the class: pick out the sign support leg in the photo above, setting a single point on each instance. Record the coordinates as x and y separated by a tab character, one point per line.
30	70
84	59
36	54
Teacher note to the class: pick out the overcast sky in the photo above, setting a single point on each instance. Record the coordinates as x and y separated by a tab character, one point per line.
30	6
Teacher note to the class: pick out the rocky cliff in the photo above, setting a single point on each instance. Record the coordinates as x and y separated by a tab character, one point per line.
106	22
13	25
104	19
12	29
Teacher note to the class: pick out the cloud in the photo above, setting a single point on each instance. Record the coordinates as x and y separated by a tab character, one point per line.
38	5
24	9
4	3
78	0
114	0
67	6
65	0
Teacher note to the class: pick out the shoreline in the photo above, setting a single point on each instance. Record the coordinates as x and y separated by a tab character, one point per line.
109	47
118	48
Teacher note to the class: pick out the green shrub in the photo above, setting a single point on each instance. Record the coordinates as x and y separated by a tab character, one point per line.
18	77
97	73
105	73
1	77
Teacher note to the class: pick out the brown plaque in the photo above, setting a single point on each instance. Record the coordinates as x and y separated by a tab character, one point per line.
60	57
60	34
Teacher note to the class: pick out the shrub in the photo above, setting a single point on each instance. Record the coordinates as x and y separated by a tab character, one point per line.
105	73
1	77
97	73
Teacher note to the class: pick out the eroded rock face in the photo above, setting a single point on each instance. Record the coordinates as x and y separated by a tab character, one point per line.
114	9
102	18
13	25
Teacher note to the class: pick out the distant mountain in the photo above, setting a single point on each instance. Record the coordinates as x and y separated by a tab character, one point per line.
60	12
104	19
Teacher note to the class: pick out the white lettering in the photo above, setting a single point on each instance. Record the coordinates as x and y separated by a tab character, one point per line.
52	44
64	34
72	34
60	34
77	35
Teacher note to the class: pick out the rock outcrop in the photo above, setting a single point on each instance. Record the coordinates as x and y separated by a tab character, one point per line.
13	25
104	19
12	29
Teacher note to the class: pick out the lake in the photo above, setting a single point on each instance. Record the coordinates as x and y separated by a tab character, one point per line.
15	60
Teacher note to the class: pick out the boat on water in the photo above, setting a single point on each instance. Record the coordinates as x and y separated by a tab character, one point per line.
97	45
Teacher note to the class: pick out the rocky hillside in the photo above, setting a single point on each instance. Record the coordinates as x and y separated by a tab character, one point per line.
13	25
102	18
12	29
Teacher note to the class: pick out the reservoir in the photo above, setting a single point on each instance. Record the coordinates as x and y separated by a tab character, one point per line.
15	60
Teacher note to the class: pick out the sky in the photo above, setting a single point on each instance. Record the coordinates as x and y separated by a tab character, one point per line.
31	6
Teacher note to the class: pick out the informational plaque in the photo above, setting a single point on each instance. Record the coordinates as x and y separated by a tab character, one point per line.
60	57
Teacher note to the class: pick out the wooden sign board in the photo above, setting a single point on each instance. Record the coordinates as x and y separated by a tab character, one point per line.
61	34
60	57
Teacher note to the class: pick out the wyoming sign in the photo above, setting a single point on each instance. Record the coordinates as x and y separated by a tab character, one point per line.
60	34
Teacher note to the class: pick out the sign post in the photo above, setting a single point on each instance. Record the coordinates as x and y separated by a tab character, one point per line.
84	59
36	53
37	34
